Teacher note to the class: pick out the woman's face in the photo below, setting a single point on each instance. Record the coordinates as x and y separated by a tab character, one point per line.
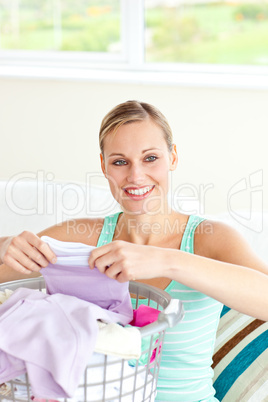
136	163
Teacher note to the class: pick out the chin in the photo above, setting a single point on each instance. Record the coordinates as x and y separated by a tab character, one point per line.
141	209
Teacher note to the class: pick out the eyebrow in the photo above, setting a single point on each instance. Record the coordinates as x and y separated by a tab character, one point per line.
143	152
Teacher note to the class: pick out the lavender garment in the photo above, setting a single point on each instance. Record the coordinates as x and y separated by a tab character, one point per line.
51	337
71	275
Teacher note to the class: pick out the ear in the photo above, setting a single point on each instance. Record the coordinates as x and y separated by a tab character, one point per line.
102	165
173	158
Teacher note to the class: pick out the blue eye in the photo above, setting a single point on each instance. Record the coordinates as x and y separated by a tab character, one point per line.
119	162
151	158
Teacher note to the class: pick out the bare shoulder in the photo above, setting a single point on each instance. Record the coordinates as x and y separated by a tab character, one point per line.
222	242
213	239
204	238
76	230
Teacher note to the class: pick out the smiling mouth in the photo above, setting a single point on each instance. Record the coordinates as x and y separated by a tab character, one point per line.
139	191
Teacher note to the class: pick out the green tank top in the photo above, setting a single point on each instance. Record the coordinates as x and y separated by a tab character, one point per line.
185	373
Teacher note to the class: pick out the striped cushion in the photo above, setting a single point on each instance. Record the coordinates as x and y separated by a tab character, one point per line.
240	360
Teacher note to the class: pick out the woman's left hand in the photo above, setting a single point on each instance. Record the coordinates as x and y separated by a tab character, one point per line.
126	261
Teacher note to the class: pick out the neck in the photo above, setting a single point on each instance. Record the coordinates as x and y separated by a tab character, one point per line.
149	228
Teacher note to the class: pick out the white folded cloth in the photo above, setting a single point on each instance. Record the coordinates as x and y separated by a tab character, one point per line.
113	339
4	295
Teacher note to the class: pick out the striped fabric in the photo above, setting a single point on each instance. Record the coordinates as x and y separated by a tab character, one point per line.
185	373
107	232
240	360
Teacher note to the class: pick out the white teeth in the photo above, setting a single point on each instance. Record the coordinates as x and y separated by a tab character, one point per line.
140	191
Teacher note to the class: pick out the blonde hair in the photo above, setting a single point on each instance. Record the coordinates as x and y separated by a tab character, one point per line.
130	112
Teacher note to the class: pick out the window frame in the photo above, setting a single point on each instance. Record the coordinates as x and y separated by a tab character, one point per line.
130	65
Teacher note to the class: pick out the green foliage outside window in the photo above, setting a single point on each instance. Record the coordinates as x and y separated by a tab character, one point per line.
212	33
69	25
220	32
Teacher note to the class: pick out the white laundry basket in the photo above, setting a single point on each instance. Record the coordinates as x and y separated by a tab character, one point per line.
119	381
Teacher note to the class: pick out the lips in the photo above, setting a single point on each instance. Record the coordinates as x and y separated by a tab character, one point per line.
138	193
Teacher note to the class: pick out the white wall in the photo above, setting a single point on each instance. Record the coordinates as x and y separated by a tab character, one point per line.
52	126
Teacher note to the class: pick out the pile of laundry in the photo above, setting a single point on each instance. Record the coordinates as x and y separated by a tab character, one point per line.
59	337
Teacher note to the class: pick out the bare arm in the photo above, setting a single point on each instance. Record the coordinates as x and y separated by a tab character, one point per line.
24	255
226	270
242	288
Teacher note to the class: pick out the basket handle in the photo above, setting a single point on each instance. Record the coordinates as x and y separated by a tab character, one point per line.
170	317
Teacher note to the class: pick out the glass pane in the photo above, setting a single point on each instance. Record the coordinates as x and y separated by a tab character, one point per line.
199	31
75	25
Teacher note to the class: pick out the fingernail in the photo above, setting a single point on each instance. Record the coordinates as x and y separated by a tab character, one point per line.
54	260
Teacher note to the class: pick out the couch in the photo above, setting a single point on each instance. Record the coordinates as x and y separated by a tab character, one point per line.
241	350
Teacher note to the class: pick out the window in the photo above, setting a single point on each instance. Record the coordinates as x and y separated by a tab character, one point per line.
61	26
199	31
136	35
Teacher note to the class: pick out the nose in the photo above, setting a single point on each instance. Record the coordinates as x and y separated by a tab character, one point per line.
136	174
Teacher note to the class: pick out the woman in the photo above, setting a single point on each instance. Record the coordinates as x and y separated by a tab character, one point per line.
201	262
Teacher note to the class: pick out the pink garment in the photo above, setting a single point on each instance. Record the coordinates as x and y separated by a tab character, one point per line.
144	315
51	337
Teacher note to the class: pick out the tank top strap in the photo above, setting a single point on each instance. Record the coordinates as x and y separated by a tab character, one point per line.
187	243
107	232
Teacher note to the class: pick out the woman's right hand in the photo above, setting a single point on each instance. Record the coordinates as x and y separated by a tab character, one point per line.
26	253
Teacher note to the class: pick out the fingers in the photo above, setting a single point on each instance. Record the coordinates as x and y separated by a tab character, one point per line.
119	272
27	253
42	247
99	253
113	260
20	267
104	256
30	259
